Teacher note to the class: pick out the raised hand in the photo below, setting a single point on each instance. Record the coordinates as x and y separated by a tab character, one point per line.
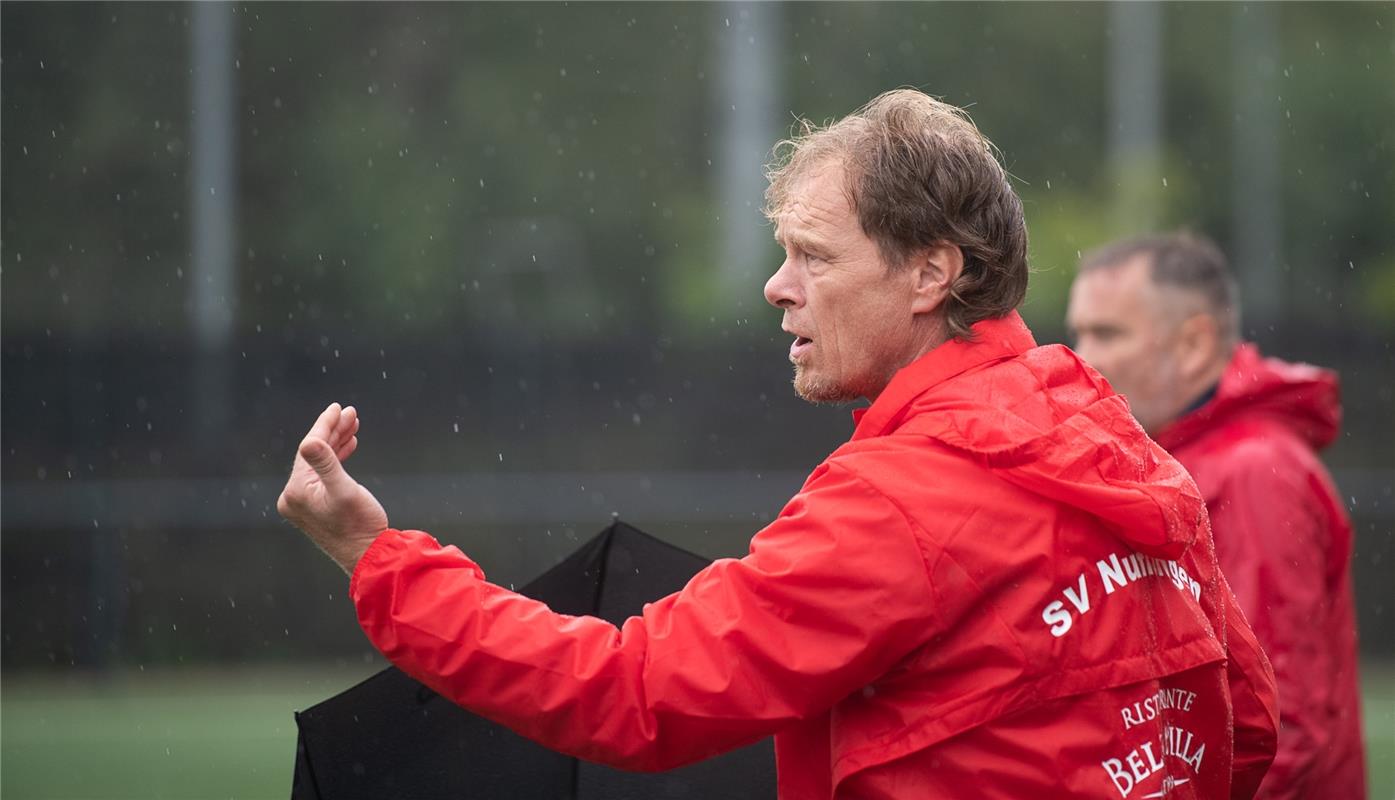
323	500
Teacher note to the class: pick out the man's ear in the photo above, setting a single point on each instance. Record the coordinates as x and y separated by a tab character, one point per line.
936	267
1199	344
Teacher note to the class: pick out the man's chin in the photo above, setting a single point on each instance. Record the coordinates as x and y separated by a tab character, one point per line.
812	390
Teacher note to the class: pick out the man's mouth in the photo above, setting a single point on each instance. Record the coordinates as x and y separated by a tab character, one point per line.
800	346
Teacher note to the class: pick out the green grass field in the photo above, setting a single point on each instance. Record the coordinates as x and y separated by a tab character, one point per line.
229	734
184	735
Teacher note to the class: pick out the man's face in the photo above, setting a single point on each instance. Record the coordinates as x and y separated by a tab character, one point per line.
1122	328
851	316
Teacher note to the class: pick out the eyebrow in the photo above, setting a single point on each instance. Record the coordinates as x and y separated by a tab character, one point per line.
804	242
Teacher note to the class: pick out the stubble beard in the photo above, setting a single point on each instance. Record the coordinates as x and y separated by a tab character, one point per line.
821	392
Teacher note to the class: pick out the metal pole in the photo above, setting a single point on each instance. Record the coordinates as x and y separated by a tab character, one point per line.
749	116
1255	207
1135	112
213	192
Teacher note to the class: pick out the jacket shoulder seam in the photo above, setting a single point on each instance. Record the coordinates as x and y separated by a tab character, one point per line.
942	552
912	527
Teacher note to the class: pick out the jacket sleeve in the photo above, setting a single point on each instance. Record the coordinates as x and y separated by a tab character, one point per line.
1269	542
832	594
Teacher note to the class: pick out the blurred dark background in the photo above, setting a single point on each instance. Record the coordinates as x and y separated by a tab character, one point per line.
525	241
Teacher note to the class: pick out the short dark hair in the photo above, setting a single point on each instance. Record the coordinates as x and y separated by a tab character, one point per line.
1182	260
919	172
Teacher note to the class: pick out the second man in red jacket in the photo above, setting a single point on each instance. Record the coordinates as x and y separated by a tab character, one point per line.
1158	315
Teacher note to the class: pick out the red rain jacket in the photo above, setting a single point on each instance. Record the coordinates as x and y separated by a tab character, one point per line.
999	588
1284	541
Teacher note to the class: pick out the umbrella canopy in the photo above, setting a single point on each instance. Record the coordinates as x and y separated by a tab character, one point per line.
392	737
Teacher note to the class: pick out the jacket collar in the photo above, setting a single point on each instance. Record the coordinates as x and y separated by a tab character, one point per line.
994	340
1299	397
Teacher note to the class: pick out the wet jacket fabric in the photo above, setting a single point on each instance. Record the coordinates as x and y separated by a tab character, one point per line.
998	588
1284	542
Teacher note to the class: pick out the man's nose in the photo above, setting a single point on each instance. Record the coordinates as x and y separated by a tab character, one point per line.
781	290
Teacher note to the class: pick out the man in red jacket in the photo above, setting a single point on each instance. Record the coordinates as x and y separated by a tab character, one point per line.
1158	316
998	588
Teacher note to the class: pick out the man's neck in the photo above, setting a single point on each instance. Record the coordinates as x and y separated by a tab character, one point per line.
1203	390
927	341
1200	400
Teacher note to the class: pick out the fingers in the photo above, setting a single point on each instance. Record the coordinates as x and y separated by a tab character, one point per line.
337	429
331	439
326	423
335	425
348	425
321	458
347	449
345	440
344	428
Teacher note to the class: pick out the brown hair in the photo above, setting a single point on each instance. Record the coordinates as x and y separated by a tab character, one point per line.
1181	260
919	172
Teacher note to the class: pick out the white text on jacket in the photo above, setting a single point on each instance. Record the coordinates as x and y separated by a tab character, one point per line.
1114	573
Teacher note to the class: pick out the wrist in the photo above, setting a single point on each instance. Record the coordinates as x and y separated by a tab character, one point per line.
347	553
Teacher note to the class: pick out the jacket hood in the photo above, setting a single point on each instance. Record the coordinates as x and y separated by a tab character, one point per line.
1300	397
1042	419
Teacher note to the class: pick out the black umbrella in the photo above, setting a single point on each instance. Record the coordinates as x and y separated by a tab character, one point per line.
392	737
